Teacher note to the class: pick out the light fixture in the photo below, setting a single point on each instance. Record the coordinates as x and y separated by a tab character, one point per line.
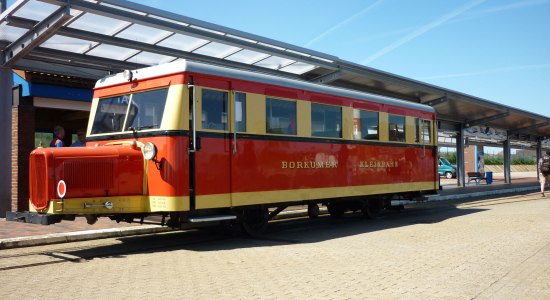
150	153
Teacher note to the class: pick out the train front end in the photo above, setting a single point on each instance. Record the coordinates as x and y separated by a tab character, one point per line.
134	163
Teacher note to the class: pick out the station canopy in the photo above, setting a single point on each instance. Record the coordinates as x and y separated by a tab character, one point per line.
93	38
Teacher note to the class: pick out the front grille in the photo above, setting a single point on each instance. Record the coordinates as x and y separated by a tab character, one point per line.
89	173
38	181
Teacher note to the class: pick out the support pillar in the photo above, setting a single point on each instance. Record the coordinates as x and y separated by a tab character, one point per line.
507	160
539	155
6	83
23	122
460	174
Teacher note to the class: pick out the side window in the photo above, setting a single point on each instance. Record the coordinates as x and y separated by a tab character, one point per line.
365	125
426	131
326	120
146	109
214	110
397	128
240	112
280	116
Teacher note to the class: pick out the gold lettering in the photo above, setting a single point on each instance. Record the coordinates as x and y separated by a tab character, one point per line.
320	164
292	165
299	165
284	165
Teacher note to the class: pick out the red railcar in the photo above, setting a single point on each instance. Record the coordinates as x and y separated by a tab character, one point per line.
199	142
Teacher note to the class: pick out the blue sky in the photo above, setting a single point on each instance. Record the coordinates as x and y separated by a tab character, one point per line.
495	49
498	50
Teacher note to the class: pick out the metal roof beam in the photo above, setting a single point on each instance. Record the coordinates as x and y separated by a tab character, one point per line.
125	43
132	17
486	120
328	78
35	36
536	126
436	101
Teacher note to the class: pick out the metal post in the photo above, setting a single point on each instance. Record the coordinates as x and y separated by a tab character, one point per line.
507	160
6	83
539	155
460	174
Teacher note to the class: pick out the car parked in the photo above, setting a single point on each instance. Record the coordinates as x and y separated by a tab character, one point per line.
446	169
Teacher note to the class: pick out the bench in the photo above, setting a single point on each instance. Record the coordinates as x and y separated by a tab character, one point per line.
477	177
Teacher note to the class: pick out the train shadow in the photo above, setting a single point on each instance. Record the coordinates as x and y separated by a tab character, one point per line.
282	232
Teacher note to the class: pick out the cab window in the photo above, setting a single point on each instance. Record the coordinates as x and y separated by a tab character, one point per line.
110	114
146	110
214	110
240	112
280	116
326	120
397	128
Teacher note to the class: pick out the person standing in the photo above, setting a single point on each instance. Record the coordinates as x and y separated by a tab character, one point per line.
544	170
59	134
81	142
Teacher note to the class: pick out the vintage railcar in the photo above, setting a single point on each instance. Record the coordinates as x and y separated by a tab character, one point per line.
196	142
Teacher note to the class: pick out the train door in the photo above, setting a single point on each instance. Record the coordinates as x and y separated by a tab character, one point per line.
211	149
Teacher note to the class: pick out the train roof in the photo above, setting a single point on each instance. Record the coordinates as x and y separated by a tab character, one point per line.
208	69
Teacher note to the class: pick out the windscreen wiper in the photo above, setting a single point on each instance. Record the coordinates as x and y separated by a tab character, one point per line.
138	128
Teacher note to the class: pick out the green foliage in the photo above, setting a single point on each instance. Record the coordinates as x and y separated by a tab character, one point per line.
451	157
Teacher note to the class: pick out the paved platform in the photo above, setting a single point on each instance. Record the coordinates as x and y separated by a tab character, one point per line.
496	248
14	234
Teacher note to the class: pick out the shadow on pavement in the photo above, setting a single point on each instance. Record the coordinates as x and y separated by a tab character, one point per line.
283	232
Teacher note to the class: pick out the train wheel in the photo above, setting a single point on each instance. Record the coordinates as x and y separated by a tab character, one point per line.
312	210
372	208
336	210
255	220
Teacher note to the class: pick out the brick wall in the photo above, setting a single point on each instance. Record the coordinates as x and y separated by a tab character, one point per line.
23	127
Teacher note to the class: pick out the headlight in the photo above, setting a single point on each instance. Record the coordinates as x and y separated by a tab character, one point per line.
149	151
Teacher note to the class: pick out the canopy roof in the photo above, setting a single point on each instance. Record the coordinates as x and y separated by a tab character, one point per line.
93	38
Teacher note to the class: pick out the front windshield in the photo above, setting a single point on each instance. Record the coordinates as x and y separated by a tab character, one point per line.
146	111
445	161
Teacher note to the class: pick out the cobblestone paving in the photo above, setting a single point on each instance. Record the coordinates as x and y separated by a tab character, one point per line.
487	249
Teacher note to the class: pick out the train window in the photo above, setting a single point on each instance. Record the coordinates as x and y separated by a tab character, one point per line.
214	110
365	125
146	109
240	112
110	114
280	116
426	131
397	128
326	120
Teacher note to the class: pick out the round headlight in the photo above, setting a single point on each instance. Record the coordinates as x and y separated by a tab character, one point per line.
149	151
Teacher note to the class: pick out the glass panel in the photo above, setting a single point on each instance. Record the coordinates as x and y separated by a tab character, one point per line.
426	131
416	130
142	33
365	125
98	24
42	139
240	112
149	58
110	114
247	56
10	33
397	128
298	68
67	44
147	109
216	50
182	42
112	52
214	110
273	62
36	10
326	120
280	116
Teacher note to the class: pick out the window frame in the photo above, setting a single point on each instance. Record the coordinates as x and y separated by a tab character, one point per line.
404	135
361	138
227	107
341	121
